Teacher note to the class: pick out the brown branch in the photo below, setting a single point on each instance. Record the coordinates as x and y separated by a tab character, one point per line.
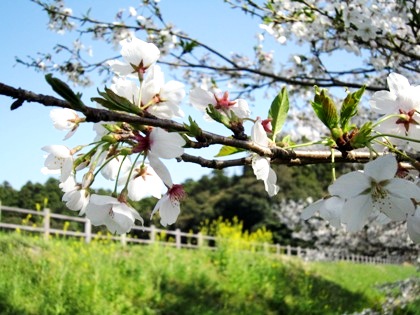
277	155
97	115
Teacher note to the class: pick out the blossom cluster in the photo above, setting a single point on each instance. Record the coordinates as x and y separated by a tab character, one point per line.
375	194
385	191
131	155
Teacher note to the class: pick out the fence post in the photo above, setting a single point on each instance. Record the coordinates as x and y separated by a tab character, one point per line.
178	238
123	238
299	251
289	250
152	233
199	239
46	223
265	248
88	231
277	249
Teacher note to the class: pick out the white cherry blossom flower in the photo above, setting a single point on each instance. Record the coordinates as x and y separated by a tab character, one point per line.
77	199
403	99
138	56
75	195
65	119
201	99
126	88
261	164
374	191
169	205
143	182
165	145
117	216
162	99
117	165
59	161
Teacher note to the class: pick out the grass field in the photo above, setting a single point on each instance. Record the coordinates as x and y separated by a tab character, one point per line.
70	277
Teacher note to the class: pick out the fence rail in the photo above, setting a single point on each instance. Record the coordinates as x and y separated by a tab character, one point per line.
151	235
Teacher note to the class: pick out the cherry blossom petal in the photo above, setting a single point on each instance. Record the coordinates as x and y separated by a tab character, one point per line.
258	134
166	145
270	183
383	168
395	208
310	210
169	210
350	185
102	200
260	166
160	169
403	188
356	212
117	165
144	185
201	99
397	83
122	219
136	51
383	102
413	226
241	108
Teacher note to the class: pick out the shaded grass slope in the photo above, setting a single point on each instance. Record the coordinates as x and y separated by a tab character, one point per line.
70	277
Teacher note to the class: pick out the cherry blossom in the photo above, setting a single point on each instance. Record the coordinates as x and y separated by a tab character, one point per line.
59	161
65	119
75	195
117	165
117	216
201	99
162	99
374	191
143	182
126	88
260	164
138	56
166	145
169	205
401	99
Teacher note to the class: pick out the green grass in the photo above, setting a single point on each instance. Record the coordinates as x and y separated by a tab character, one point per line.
70	277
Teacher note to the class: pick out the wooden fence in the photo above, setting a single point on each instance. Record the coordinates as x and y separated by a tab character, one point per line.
175	238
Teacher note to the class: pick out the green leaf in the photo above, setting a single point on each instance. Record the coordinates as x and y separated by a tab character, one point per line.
62	89
278	111
113	101
227	150
362	137
193	129
349	108
217	116
188	46
325	108
122	102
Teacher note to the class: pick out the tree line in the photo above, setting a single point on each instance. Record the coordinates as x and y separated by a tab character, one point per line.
209	198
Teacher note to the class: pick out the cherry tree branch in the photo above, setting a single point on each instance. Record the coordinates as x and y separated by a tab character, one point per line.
277	155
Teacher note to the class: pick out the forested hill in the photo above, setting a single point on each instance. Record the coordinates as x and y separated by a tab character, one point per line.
209	198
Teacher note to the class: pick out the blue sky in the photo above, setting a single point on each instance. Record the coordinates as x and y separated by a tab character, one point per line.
24	131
